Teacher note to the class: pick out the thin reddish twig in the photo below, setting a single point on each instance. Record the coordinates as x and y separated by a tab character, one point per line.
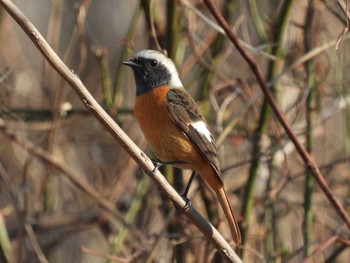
321	248
308	160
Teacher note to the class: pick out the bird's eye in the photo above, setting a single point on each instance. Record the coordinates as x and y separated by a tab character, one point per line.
153	63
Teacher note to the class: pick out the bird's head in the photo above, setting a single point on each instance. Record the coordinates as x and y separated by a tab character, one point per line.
153	69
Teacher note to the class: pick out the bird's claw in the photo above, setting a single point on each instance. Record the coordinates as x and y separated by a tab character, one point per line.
158	164
187	200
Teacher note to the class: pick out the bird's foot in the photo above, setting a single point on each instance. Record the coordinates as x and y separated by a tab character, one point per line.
158	164
186	199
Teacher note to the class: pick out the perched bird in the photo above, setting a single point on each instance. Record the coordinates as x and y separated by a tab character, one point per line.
173	125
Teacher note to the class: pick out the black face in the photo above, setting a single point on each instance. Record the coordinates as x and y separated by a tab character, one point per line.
149	74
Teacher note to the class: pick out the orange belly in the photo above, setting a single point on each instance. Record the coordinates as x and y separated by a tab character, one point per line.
166	139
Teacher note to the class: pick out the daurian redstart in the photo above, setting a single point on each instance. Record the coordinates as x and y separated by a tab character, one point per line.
174	126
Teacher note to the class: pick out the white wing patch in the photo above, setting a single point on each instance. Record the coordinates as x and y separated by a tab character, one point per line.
202	129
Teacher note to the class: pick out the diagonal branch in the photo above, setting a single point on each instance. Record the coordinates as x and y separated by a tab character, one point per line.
308	160
118	134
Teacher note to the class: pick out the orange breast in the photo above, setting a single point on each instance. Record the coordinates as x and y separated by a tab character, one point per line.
166	139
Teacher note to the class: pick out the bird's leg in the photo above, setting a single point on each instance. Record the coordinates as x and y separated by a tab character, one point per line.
158	164
184	194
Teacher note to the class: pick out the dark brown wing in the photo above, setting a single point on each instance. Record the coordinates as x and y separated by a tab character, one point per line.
185	113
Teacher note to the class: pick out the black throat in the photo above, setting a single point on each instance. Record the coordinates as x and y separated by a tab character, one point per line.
148	78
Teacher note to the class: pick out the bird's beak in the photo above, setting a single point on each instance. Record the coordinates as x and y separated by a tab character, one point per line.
131	64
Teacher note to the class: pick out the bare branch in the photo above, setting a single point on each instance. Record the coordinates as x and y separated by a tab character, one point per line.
344	7
308	160
35	243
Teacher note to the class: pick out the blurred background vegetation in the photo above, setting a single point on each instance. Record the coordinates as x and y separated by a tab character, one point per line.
284	216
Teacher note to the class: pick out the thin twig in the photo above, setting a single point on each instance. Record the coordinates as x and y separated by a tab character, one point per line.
214	26
153	27
308	160
101	255
345	30
118	134
73	177
35	244
262	125
310	85
322	247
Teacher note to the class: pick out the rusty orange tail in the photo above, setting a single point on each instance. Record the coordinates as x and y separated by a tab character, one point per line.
231	219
